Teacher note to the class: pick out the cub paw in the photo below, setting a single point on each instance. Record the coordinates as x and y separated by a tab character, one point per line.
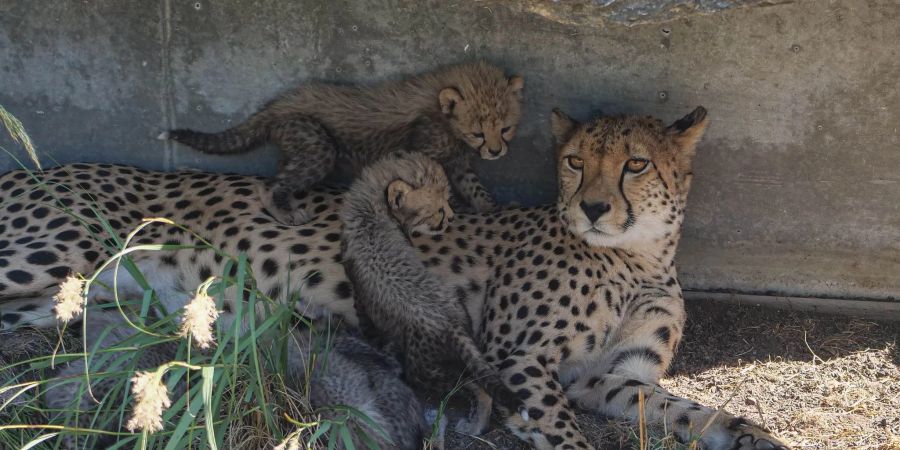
484	207
465	426
291	218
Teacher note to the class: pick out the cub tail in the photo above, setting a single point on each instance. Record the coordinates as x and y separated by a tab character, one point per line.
239	139
485	375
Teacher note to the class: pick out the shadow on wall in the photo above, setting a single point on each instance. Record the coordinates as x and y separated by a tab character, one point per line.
802	98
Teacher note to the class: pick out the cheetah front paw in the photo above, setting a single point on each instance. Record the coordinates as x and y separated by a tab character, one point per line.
746	435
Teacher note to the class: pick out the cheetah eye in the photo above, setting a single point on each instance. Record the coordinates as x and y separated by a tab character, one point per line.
575	163
505	130
636	165
478	135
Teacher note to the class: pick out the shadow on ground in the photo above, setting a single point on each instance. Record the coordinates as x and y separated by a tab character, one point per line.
821	382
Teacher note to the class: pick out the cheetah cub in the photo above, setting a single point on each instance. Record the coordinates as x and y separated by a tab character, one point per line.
347	370
395	293
449	115
343	369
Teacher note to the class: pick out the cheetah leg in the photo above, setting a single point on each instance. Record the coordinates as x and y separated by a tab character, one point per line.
308	154
161	278
628	377
551	420
621	396
480	414
28	312
469	188
38	311
426	371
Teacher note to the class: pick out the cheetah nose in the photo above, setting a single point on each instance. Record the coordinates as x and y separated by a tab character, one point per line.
495	152
593	211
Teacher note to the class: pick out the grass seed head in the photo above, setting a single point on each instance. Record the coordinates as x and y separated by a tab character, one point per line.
70	299
200	315
151	399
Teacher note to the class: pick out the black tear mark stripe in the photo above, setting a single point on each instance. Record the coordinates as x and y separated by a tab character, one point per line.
578	189
630	220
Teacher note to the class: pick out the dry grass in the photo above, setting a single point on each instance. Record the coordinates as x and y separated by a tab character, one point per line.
821	382
17	133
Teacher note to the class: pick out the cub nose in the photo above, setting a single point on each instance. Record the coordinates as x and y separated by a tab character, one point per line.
593	211
495	152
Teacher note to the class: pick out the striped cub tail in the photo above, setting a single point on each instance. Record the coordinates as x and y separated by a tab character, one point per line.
239	139
485	375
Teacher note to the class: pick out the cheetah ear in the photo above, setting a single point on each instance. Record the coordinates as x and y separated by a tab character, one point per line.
396	193
449	97
688	130
516	84
561	125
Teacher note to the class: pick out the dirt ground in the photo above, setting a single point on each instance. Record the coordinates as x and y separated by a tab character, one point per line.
818	381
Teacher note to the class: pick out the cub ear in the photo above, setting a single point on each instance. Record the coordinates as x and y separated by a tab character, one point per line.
516	84
449	97
396	193
688	130
561	125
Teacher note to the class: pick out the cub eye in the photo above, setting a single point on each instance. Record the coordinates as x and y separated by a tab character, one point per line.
478	135
574	162
636	165
505	130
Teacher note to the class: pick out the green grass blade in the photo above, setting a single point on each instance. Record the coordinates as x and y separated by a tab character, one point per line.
208	372
370	443
345	436
38	440
187	420
320	431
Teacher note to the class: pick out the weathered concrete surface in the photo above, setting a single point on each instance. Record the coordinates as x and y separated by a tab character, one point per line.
797	186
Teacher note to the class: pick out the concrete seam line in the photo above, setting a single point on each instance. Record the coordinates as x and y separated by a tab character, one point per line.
874	309
167	102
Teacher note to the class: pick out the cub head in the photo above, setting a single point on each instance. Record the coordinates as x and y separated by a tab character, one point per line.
483	107
623	181
424	209
419	200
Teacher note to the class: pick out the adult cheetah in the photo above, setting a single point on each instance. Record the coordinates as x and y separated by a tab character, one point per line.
578	303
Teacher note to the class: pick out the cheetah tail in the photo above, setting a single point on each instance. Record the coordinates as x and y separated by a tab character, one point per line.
485	375
239	139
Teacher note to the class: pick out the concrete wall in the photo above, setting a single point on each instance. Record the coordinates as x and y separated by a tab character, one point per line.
797	186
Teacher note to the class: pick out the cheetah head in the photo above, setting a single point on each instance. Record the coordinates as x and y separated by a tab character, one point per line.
624	180
483	108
